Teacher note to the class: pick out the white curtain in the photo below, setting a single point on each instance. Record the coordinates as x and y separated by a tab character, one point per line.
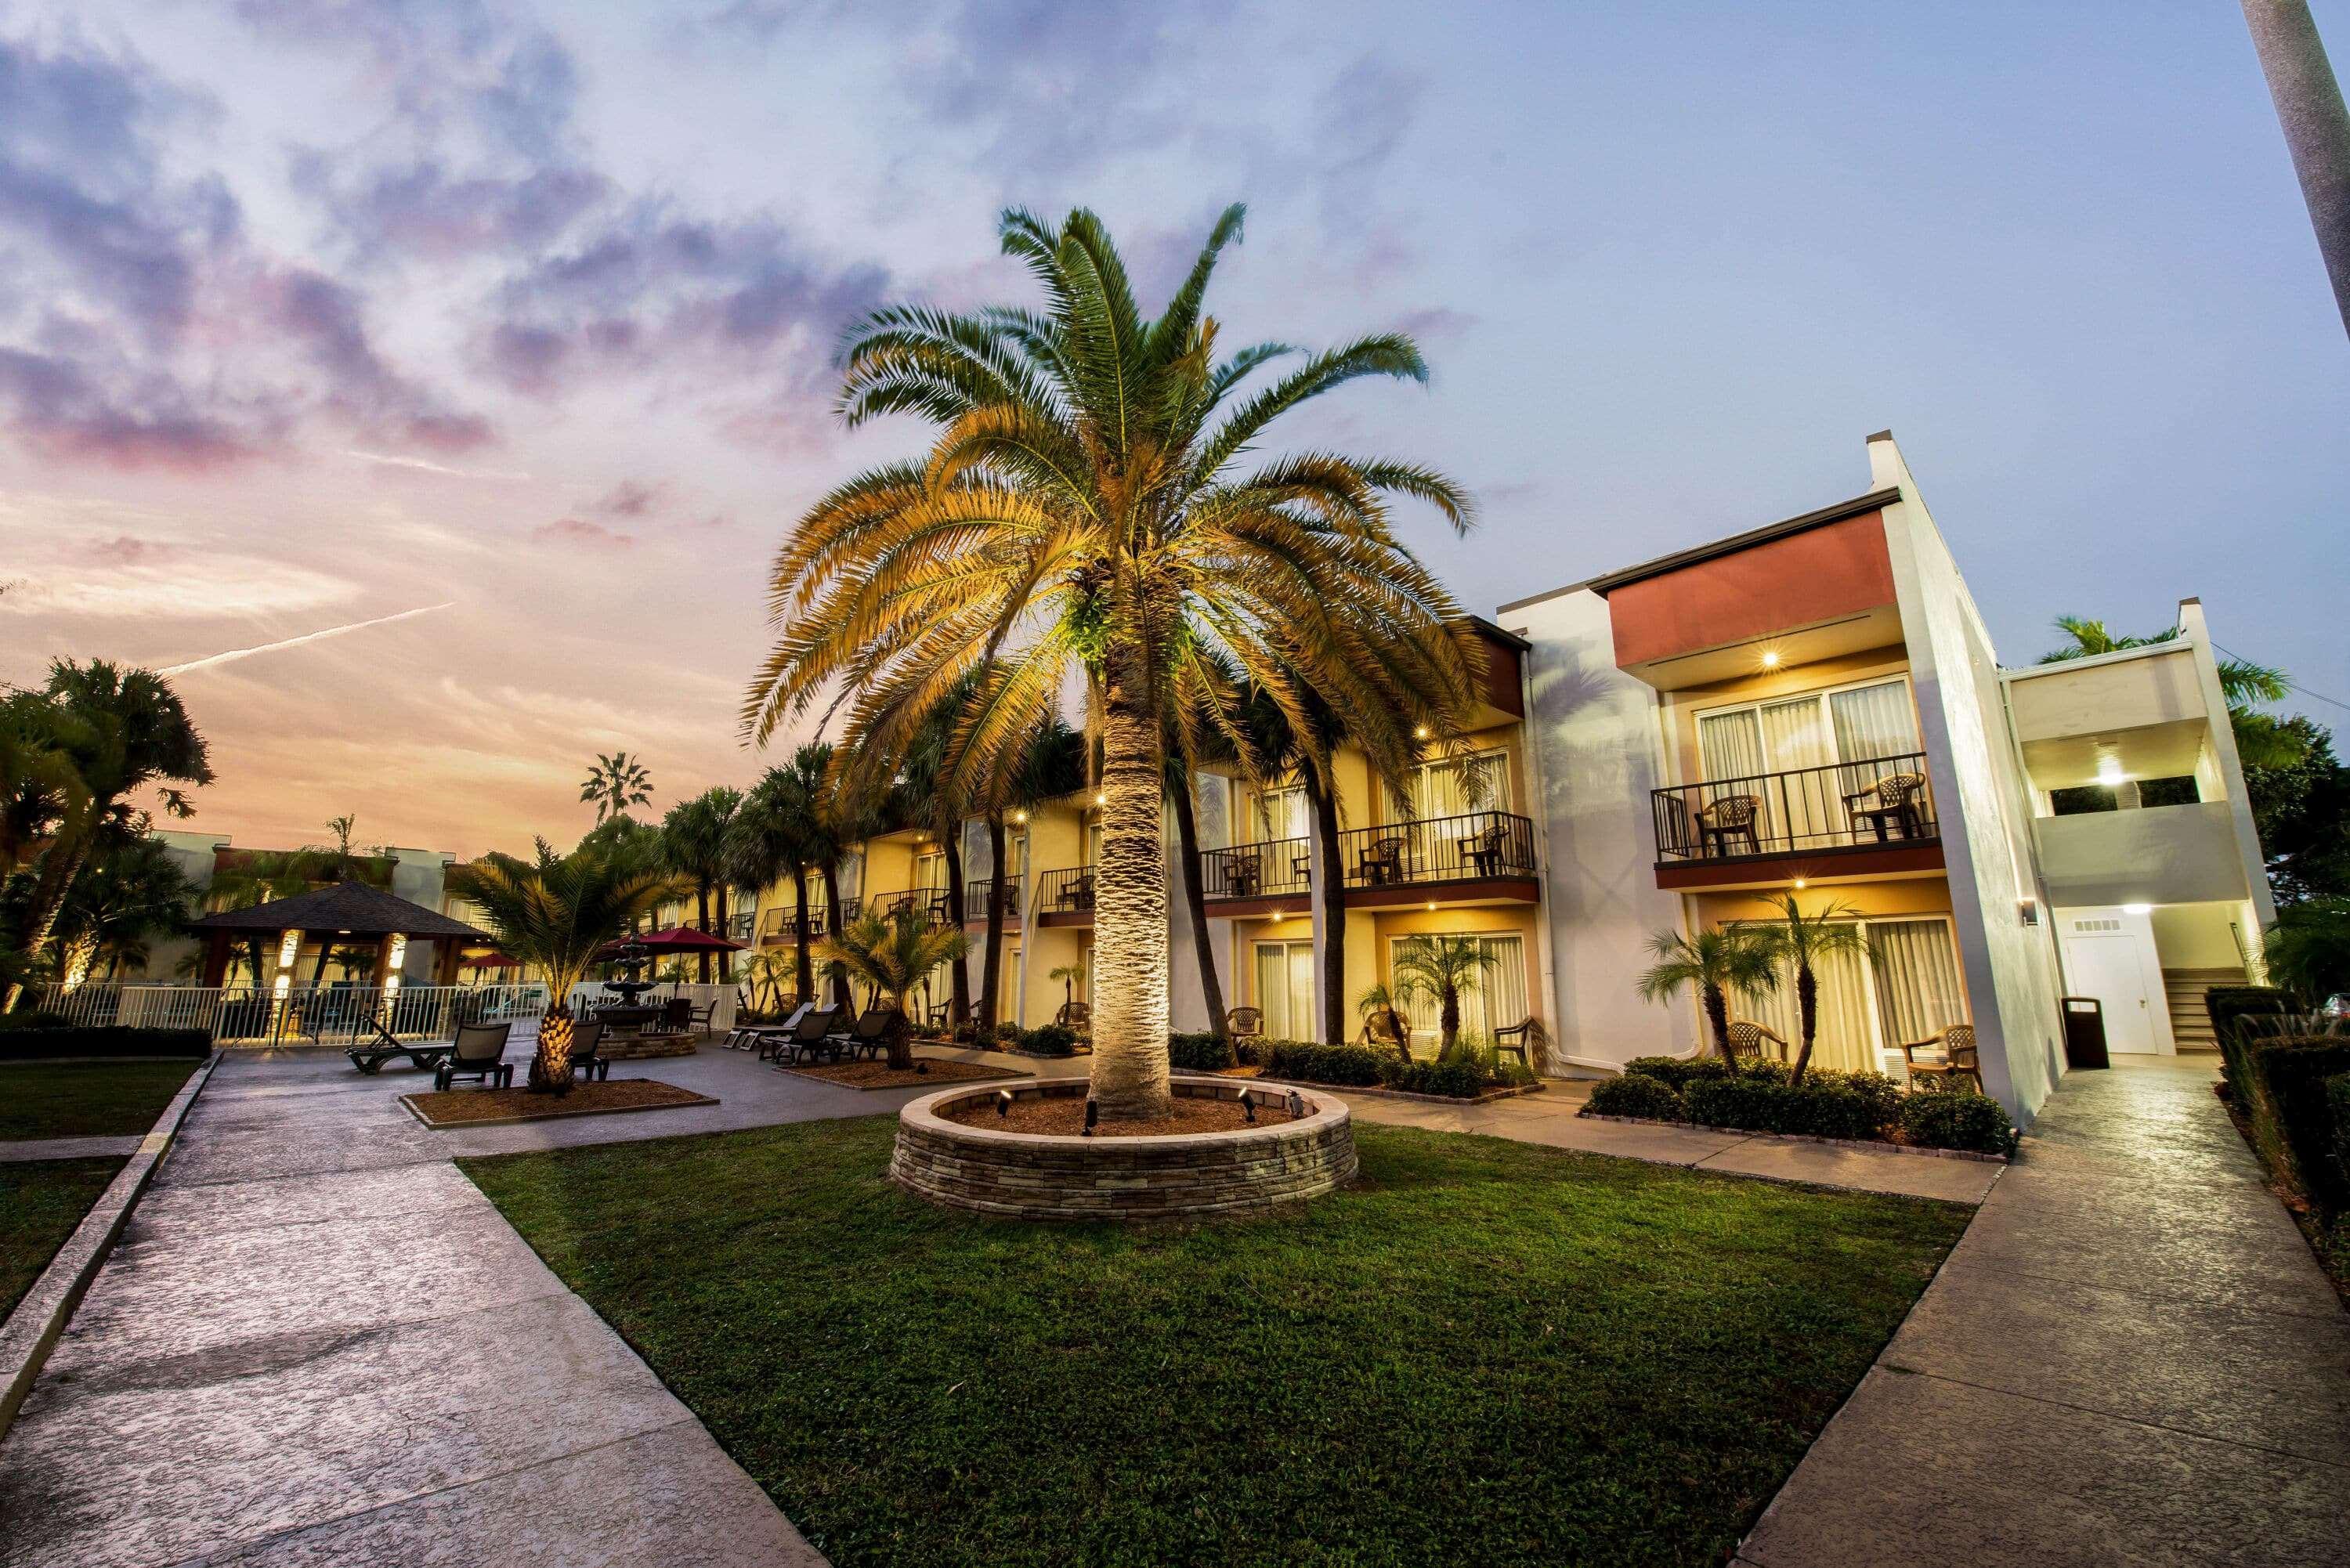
1845	1042
1918	989
1730	745
1795	736
1285	989
1282	813
1442	789
1497	1001
1874	722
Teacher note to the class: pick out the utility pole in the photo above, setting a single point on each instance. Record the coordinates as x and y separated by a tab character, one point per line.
2316	127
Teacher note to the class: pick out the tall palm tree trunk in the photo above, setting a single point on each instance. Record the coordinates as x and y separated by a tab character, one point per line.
725	959
702	918
802	970
992	951
1130	1076
959	975
1195	901
832	902
59	866
2316	126
1332	894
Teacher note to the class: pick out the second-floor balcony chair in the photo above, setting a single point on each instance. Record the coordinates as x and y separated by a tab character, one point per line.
1076	894
1482	851
1730	819
1381	863
1894	802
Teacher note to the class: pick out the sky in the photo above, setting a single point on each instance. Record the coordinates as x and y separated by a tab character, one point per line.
502	334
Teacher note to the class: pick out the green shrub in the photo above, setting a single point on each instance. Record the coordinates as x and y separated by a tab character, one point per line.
1882	1094
1637	1095
1677	1072
2229	1005
1951	1120
1755	1105
1201	1052
1343	1066
34	1018
2293	1126
1049	1040
2337	1110
112	1040
1461	1078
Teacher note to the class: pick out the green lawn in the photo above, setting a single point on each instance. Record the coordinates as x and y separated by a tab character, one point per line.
85	1099
41	1201
1487	1353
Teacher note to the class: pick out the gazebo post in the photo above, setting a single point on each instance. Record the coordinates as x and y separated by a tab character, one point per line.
216	957
446	952
382	960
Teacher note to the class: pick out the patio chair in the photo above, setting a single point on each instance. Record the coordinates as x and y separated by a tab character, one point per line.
588	1062
1386	1026
811	1036
478	1052
761	1037
1746	1041
697	1019
1482	850
1732	817
1076	894
1244	1022
1243	874
1896	805
1956	1058
1514	1040
1380	863
870	1035
1076	1015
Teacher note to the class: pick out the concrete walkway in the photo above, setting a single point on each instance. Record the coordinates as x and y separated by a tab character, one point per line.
24	1151
319	1344
2130	1359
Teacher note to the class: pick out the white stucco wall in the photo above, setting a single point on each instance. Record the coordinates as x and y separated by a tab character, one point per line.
1600	753
2012	969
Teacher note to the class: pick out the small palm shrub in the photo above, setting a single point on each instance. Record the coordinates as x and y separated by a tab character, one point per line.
1948	1120
1637	1095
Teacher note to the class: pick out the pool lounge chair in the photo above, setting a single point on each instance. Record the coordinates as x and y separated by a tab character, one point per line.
478	1052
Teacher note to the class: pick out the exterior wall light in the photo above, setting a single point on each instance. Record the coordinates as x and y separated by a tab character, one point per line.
2137	909
1770	659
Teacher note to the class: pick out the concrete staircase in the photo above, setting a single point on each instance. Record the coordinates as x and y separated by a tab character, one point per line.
2190	1021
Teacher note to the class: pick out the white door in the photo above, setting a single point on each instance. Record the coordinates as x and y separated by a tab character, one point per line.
2107	968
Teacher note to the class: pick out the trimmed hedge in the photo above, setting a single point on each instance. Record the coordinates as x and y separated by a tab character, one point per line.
1457	1079
2229	1005
1344	1066
2337	1106
2290	1110
1951	1120
112	1040
1199	1052
1815	1110
1677	1072
1046	1040
1637	1095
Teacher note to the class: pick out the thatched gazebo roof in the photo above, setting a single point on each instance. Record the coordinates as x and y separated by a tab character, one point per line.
346	908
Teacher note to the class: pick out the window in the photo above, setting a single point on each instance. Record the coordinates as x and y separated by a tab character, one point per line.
1454	786
1283	812
1285	990
1912	992
931	869
1847	724
1498	1000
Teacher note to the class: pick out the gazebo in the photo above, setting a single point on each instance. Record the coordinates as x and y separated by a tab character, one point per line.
349	914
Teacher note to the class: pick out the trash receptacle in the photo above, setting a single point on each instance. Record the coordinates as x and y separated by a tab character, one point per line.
2084	1032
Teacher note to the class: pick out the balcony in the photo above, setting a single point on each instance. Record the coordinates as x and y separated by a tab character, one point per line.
931	903
975	893
1475	847
1066	896
1276	868
776	923
1882	808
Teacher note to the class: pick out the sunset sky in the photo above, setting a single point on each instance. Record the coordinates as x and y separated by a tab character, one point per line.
508	327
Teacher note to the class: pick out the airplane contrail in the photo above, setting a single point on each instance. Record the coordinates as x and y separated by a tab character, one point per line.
236	653
418	462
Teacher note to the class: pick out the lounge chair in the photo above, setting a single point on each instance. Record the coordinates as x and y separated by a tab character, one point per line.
761	1037
588	1059
423	1055
811	1035
870	1035
478	1052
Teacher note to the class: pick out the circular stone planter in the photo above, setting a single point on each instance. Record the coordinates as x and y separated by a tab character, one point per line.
1025	1176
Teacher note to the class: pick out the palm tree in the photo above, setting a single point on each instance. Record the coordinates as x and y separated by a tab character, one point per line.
615	783
1716	961
39	784
892	956
1069	975
1442	969
2261	741
1800	941
124	732
1084	508
781	831
2307	948
130	890
554	913
695	845
930	791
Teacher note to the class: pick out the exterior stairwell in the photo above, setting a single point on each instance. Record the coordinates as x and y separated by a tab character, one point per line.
2190	1021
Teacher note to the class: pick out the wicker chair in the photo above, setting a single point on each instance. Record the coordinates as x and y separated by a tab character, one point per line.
1957	1044
1244	1023
1746	1041
1386	1026
1895	800
1732	817
1075	1015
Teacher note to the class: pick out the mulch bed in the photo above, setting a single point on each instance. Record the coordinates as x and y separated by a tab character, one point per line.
1064	1115
489	1108
923	1076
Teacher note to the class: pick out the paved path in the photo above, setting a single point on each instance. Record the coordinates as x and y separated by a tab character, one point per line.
24	1151
2130	1359
320	1345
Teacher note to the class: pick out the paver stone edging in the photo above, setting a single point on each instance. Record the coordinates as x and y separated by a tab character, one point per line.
1874	1144
32	1330
1505	1092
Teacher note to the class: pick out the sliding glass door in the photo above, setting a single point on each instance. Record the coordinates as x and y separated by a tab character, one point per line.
1847	729
1912	990
1498	1001
1285	990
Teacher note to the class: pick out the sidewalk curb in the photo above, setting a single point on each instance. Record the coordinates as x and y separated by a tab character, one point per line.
31	1332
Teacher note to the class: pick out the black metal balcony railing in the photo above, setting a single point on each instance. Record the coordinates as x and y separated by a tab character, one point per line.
931	903
738	924
974	898
1884	800
1273	869
1474	845
1068	891
776	923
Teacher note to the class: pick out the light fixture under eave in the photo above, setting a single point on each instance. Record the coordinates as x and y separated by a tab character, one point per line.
1770	659
1799	884
2109	773
2137	909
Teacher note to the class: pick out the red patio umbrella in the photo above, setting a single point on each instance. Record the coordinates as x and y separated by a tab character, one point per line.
676	940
